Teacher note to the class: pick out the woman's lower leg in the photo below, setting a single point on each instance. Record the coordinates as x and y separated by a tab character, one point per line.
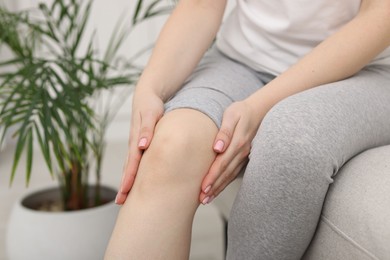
156	220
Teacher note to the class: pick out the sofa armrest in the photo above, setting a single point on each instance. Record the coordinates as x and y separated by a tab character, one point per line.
355	220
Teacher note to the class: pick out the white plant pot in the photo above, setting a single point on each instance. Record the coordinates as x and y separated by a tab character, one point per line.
81	234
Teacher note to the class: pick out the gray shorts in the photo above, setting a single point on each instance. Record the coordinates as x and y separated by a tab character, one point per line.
217	82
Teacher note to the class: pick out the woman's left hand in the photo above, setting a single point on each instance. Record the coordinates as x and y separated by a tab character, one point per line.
232	145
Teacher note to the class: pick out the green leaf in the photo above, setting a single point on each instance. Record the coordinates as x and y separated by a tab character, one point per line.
18	153
29	155
63	11
165	10
45	148
116	40
52	135
151	7
3	133
13	61
10	98
48	21
81	28
137	11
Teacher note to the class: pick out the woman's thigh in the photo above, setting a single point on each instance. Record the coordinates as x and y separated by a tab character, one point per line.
301	144
216	83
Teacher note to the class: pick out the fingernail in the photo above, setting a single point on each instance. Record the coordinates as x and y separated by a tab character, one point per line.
205	200
211	199
116	198
219	145
142	142
207	189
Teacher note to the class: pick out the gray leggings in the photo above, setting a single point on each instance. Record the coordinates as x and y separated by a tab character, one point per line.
301	144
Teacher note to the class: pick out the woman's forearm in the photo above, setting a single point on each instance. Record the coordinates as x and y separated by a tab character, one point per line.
184	39
338	57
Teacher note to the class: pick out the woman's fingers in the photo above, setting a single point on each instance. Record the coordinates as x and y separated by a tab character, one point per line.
220	164
148	108
129	171
221	144
223	177
226	132
237	132
141	135
225	168
148	124
224	180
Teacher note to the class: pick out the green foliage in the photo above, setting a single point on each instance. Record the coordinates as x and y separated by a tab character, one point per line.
48	89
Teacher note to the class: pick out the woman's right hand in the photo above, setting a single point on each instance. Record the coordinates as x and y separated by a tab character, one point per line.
186	36
148	108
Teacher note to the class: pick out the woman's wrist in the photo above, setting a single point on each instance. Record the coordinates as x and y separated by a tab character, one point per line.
260	102
147	86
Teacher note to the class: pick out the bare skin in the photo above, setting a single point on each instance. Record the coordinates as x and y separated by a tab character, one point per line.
164	196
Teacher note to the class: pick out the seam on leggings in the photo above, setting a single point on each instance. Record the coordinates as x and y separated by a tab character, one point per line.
347	238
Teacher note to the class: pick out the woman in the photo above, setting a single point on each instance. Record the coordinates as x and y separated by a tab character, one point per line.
299	86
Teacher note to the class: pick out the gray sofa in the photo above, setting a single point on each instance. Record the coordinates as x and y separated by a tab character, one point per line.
355	220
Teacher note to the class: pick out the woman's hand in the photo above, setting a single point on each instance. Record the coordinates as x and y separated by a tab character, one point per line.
232	143
148	109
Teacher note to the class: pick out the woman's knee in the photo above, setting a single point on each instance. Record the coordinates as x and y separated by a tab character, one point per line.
180	151
293	136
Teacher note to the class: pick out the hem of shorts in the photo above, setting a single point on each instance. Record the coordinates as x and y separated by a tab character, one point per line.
215	121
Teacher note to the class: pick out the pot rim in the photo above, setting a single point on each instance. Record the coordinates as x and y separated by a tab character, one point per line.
36	191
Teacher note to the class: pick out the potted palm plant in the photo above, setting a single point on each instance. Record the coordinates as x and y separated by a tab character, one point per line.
49	91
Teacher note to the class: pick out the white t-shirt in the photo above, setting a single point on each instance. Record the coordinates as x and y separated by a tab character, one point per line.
271	35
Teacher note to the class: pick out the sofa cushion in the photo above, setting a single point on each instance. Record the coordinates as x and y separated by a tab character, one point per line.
355	221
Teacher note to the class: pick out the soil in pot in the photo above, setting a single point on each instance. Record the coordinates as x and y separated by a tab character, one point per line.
51	200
